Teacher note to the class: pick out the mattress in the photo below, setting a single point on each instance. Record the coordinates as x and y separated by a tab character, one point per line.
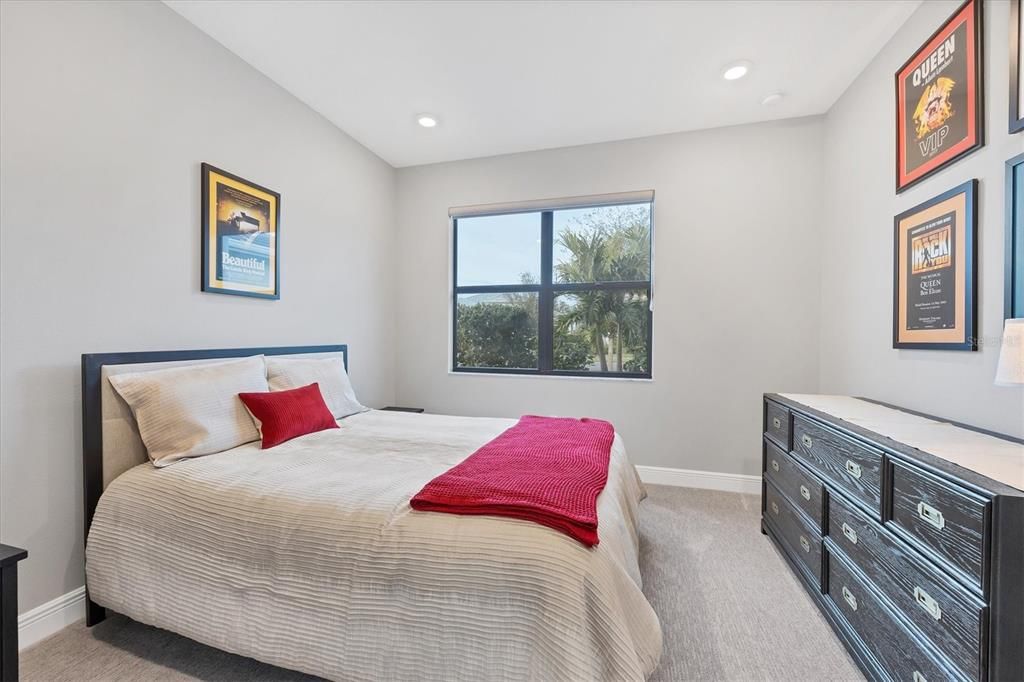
308	556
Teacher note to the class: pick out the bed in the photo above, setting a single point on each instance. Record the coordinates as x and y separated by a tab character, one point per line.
309	557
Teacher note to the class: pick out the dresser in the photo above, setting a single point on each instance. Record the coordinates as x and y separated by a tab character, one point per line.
906	530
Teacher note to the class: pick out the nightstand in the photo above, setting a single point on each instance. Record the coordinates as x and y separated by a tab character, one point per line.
392	408
9	558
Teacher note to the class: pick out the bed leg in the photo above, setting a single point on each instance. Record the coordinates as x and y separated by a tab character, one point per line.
94	613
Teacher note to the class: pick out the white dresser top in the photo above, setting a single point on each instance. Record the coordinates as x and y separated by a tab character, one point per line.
998	459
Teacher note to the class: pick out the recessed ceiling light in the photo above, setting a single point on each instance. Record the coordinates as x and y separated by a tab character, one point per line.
772	98
427	120
736	71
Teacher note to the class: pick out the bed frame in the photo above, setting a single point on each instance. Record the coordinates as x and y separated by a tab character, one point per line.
92	415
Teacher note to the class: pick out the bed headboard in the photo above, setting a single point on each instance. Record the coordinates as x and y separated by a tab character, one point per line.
110	438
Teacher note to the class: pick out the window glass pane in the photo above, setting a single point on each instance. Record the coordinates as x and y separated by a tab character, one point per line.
496	330
503	249
603	244
602	331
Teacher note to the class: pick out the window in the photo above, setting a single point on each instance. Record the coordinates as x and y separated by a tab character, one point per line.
563	291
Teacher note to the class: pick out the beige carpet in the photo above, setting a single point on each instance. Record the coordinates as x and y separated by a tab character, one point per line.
729	609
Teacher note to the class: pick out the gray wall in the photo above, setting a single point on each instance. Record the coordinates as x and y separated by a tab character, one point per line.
107	111
736	285
856	238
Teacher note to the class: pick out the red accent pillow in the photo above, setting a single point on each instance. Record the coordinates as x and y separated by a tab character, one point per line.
283	415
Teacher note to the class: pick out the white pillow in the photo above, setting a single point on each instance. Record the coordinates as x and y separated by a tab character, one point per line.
194	410
285	373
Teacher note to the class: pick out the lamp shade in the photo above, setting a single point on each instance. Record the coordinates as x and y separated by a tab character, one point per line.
1010	370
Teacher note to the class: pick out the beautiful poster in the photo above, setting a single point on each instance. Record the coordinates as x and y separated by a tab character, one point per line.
938	98
240	236
934	273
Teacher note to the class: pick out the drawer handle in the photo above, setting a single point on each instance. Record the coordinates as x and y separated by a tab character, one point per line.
776	422
853	468
850	599
775	509
807	440
775	465
805	493
850	533
926	602
805	544
918	677
931	515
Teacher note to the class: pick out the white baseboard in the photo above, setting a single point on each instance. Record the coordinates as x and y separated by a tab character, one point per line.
50	618
709	480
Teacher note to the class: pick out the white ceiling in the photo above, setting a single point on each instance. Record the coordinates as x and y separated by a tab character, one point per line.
515	76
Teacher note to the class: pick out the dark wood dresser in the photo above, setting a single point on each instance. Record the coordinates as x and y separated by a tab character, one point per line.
907	531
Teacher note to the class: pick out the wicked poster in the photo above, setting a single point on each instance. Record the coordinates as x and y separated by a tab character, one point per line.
938	98
933	281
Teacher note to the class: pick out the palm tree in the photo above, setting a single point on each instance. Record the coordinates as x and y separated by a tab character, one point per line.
590	257
608	245
588	264
628	316
591	314
630	248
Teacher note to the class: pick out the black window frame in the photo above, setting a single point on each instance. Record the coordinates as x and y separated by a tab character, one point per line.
546	291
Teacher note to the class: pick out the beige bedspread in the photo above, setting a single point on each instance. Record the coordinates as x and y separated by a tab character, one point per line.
308	556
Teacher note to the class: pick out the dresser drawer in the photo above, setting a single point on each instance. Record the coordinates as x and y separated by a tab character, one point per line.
798	485
850	465
941	518
803	541
776	423
899	655
944	612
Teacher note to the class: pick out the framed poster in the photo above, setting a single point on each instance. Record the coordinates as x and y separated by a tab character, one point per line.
935	271
1016	66
939	98
1013	295
241	236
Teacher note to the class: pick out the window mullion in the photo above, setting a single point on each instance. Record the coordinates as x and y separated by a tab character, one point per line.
546	300
611	285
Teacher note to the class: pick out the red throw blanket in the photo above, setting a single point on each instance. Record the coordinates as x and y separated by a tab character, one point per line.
548	470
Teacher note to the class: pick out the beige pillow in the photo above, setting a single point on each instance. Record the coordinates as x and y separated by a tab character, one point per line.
285	373
195	410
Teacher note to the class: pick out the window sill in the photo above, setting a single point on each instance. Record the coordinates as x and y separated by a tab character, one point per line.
563	377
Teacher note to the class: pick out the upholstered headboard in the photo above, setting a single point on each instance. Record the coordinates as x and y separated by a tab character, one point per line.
110	437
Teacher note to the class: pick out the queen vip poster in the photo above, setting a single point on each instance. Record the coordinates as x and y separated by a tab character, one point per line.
934	270
240	236
938	98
